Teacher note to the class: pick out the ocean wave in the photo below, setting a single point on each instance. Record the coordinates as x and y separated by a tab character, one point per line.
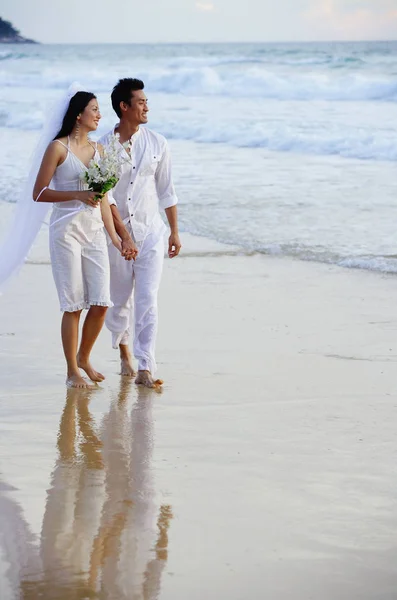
15	120
13	55
264	83
188	62
6	55
254	81
197	62
346	142
355	144
380	264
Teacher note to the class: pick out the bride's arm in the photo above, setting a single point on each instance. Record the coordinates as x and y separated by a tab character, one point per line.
53	157
106	213
107	219
115	226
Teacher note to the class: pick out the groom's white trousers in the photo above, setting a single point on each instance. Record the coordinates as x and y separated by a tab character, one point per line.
133	289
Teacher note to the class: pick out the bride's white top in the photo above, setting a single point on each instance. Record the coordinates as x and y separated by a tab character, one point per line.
68	177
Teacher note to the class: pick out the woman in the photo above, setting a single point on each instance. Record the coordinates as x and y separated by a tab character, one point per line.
78	245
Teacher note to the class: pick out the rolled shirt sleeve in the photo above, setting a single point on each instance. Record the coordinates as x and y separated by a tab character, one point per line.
164	184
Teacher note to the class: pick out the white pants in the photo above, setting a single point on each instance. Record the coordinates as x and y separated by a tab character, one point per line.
143	278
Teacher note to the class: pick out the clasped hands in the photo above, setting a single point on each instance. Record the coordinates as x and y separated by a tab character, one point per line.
128	249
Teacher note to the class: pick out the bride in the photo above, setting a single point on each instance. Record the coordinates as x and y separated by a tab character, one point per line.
78	245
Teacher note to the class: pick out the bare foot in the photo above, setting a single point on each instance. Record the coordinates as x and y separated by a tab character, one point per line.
145	378
89	369
77	381
126	367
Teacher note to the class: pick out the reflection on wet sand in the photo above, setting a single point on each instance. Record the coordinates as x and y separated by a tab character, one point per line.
103	535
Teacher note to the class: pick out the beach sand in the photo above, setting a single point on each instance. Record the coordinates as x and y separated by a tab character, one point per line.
265	469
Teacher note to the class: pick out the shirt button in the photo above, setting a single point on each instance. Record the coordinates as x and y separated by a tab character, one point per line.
132	214
133	167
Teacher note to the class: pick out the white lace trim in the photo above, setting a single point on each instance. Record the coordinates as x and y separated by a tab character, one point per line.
85	305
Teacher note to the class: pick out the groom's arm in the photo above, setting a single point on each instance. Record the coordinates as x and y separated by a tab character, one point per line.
174	243
168	200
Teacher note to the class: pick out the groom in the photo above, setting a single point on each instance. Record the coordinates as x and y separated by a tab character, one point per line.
145	186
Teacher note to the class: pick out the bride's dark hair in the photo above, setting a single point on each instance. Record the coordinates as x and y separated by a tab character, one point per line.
76	106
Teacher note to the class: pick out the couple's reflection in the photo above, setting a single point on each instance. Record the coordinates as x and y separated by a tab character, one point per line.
104	535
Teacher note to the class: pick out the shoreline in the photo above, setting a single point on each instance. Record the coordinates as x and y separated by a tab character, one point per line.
197	245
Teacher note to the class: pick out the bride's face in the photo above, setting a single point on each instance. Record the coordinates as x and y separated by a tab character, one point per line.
90	117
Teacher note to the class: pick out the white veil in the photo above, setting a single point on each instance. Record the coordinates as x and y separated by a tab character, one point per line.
29	215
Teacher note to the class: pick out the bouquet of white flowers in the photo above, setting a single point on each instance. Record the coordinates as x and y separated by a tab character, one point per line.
103	174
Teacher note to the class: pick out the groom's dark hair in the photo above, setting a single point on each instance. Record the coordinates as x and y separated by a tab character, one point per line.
123	91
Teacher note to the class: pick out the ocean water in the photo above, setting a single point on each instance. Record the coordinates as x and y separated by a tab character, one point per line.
279	148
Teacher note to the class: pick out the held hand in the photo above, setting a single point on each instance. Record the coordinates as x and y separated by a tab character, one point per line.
117	244
89	197
174	245
128	249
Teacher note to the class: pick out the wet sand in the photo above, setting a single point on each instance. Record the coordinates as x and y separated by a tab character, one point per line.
265	469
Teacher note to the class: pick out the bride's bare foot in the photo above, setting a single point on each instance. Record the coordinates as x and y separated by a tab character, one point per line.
77	381
145	378
89	369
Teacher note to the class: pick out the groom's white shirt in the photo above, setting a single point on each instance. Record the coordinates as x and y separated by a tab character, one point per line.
145	184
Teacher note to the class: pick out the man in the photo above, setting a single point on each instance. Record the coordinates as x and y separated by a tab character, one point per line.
145	186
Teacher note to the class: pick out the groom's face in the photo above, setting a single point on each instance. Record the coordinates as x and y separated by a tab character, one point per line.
138	109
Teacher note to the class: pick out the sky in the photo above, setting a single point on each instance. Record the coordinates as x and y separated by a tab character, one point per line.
153	21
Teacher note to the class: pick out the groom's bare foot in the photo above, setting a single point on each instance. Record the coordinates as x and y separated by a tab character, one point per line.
145	378
89	369
127	368
77	381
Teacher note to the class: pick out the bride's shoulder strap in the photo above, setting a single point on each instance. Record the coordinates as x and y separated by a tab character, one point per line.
64	145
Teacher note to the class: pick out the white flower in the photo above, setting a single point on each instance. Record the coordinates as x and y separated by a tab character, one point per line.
107	168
